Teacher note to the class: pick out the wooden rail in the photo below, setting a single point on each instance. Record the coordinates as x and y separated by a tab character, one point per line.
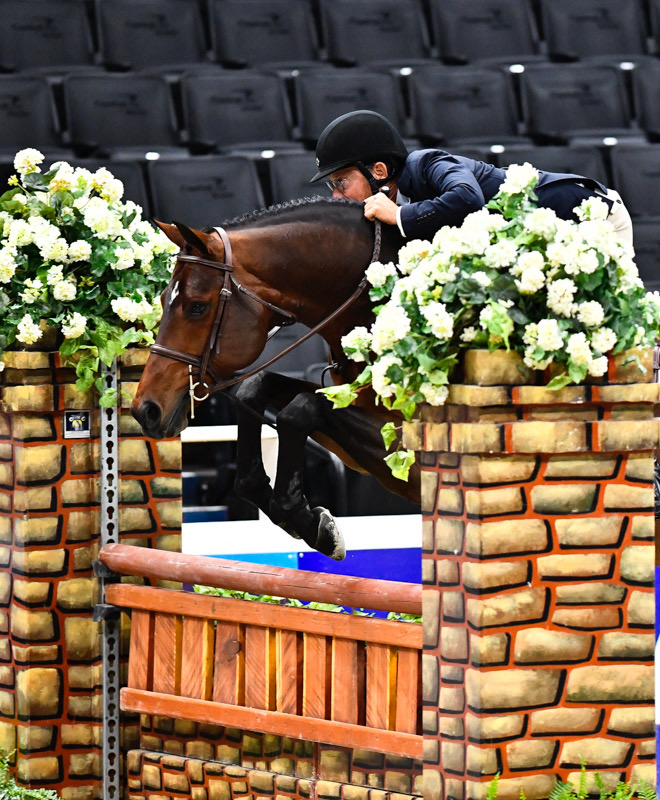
336	678
258	579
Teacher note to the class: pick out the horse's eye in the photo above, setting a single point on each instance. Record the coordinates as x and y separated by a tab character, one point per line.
197	309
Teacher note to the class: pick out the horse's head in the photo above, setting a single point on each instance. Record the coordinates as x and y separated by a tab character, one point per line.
207	331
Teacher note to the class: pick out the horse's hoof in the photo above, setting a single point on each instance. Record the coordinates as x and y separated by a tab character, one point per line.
330	542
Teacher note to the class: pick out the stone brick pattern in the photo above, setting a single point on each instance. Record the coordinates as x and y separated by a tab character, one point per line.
281	755
167	777
538	555
50	669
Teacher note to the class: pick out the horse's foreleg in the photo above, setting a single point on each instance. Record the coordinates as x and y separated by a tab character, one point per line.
288	505
252	483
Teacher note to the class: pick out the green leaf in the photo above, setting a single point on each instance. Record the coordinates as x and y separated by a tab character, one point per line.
389	434
400	463
340	396
559	381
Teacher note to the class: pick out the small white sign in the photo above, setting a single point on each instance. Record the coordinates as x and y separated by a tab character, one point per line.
77	425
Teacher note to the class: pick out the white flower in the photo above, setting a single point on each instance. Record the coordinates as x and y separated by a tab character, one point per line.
541	222
519	177
531	280
527	259
64	179
469	334
536	363
391	325
64	291
101	219
411	254
32	291
501	254
377	273
107	185
7	264
379	380
639	334
55	274
603	340
27	161
550	336
435	395
482	278
531	334
598	366
592	208
80	250
560	297
74	325
484	220
485	315
20	233
125	258
439	319
578	349
28	332
591	313
56	250
125	308
359	339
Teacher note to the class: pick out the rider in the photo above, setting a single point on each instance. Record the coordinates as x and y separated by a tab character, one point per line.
364	158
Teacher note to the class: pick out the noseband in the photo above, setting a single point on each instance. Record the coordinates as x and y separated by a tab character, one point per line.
198	366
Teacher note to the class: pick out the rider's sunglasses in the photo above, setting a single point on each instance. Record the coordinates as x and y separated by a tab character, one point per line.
340	184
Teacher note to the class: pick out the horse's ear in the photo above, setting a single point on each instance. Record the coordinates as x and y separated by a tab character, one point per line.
171	231
193	238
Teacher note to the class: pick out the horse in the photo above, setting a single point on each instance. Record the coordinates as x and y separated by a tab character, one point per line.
298	261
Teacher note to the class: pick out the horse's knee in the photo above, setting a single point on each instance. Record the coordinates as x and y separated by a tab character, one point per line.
303	412
252	389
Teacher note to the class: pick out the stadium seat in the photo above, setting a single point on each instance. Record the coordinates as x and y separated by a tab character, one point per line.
637	177
223	109
28	114
655	24
298	362
646	232
564	101
205	190
263	31
646	86
50	34
584	28
479	29
290	174
108	112
584	160
374	30
322	95
467	103
134	34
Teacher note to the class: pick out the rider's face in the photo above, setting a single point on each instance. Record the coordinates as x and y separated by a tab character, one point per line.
350	184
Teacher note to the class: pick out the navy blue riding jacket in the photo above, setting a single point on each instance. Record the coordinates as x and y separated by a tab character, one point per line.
443	189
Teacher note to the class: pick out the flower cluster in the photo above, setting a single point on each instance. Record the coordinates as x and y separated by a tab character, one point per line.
74	256
511	276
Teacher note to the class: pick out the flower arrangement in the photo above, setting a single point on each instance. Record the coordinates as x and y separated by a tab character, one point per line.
76	257
512	276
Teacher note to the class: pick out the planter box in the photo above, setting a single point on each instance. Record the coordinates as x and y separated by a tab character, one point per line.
538	560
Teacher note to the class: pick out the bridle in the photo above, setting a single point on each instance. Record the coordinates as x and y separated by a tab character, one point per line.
198	366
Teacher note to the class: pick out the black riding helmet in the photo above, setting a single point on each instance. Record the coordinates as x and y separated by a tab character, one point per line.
357	139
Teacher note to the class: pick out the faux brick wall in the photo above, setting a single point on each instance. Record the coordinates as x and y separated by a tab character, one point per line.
538	556
50	670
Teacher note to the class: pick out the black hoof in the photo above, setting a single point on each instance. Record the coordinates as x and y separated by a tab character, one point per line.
330	542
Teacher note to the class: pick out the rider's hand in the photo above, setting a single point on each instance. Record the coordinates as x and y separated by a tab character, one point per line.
378	206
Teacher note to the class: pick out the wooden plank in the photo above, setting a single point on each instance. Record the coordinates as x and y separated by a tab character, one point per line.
406	691
287	672
208	641
378	685
256	667
192	651
229	672
343	590
344	706
169	601
140	662
340	734
167	654
314	663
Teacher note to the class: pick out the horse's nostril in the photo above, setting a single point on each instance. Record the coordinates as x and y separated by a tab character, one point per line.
151	413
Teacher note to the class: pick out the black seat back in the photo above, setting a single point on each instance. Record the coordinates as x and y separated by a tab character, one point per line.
290	174
28	113
637	178
579	160
646	231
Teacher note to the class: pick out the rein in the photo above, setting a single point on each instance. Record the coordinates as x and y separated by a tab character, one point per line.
201	363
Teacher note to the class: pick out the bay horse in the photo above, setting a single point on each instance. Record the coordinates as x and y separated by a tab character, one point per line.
299	261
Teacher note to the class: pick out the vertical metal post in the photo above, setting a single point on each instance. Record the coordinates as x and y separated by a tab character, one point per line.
110	617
